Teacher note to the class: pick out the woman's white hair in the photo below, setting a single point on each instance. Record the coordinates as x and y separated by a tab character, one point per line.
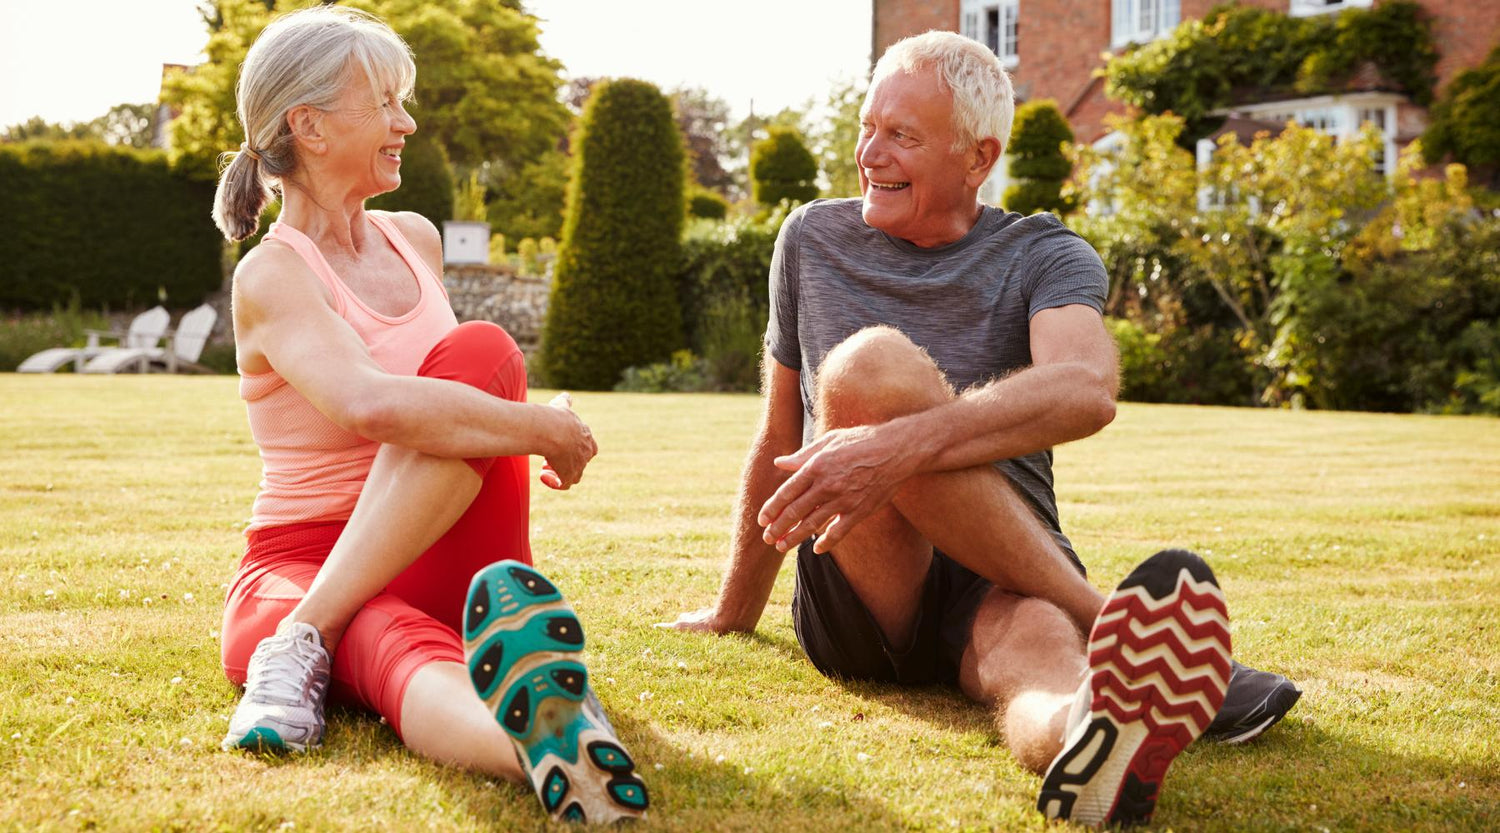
983	100
306	57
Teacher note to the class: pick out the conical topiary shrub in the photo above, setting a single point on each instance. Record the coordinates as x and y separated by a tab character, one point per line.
614	302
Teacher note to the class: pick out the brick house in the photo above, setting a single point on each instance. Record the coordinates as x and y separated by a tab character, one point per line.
1053	48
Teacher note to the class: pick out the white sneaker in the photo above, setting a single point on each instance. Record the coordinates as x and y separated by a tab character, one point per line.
284	690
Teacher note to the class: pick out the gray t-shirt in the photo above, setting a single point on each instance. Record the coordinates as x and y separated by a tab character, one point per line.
969	303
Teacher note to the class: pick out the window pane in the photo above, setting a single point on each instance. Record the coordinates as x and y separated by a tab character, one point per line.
1171	14
992	29
1012	30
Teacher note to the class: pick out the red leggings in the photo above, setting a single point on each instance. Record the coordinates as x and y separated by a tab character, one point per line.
416	619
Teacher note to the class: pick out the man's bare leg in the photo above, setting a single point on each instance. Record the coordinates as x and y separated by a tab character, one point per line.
1026	656
973	515
1026	660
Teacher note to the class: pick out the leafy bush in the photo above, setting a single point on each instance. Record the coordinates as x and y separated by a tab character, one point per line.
23	335
724	263
613	303
426	182
706	204
1413	321
782	168
111	226
683	374
529	202
1463	121
1207	65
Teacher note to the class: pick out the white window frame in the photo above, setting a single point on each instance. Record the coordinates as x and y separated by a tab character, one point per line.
1309	8
1342	116
974	17
1141	21
1110	144
992	192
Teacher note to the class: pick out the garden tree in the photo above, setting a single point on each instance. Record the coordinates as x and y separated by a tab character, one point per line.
1287	206
1201	66
740	139
837	137
1038	162
128	125
426	182
614	302
205	125
483	90
782	168
703	119
1463	123
530	202
1138	199
37	128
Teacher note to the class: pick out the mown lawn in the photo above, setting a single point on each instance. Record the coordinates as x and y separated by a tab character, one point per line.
1360	554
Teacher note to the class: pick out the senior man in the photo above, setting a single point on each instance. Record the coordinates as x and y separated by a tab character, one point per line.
925	353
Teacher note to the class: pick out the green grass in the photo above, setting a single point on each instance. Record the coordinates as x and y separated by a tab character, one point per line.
1360	554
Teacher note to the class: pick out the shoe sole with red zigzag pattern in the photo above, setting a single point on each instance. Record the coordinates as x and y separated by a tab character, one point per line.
1158	670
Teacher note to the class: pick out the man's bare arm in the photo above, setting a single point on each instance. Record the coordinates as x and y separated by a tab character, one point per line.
753	565
839	479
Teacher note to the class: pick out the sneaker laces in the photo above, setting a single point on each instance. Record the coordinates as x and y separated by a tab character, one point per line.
287	674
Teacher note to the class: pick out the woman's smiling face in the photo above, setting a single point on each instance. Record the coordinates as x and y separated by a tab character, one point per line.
366	133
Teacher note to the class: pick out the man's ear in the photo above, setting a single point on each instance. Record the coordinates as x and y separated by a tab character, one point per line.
306	124
982	160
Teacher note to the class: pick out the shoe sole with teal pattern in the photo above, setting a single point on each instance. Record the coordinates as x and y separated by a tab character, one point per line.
522	643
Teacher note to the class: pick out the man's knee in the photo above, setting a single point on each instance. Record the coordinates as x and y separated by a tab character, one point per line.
876	375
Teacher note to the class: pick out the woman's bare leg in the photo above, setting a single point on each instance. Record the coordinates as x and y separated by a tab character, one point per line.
442	719
409	501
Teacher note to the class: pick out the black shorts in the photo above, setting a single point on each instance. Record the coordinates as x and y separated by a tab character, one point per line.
843	641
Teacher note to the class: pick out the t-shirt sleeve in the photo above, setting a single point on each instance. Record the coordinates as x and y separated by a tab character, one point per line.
1062	269
781	330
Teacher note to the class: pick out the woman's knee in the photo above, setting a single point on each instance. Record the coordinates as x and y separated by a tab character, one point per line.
481	354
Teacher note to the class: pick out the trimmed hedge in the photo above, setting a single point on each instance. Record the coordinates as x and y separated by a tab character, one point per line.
1038	162
706	204
614	302
782	168
103	226
426	182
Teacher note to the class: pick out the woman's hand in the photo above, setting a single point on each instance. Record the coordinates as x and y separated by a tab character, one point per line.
575	446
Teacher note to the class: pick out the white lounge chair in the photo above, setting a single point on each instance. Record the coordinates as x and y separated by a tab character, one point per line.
185	346
146	330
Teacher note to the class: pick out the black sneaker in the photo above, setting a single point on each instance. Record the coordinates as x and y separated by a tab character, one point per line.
1253	704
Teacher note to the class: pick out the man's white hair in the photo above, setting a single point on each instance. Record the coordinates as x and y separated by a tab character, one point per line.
983	100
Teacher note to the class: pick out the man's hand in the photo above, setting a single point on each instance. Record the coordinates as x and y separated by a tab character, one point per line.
703	621
575	446
840	479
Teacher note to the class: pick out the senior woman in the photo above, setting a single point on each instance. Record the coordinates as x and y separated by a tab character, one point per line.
395	446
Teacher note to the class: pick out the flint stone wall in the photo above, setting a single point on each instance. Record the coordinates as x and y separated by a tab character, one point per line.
488	292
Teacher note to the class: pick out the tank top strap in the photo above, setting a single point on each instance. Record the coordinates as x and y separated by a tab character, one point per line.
303	245
407	251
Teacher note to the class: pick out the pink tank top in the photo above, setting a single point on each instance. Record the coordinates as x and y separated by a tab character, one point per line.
313	470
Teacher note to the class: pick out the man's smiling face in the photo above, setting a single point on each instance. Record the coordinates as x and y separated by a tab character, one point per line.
915	185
